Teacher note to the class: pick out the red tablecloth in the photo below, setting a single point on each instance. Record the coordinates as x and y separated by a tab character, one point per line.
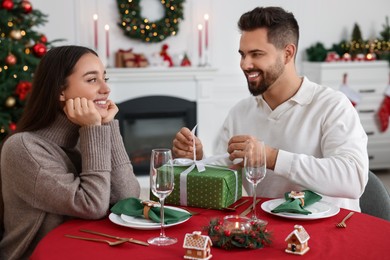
366	237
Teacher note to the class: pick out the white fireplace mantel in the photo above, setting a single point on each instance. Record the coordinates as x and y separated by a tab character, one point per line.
187	83
190	83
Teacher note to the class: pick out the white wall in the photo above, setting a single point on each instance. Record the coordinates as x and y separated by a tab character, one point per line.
326	21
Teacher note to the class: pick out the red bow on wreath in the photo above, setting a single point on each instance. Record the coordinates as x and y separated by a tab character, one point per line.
384	110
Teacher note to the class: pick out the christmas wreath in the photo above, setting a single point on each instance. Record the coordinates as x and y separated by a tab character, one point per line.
137	27
256	237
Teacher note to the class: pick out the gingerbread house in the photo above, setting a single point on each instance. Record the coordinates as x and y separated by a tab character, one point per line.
197	246
297	241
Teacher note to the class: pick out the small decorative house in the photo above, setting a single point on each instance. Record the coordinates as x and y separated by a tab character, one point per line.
197	246
297	241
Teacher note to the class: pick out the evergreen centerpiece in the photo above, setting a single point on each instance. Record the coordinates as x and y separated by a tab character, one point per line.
254	235
21	48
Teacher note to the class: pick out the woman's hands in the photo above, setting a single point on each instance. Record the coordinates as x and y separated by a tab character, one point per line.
112	110
83	112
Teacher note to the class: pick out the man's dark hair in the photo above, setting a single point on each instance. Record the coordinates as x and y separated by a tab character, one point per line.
282	26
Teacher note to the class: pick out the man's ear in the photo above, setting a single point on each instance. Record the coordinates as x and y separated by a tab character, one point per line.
290	50
62	96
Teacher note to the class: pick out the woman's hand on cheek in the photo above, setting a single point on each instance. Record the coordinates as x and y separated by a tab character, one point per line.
82	112
112	110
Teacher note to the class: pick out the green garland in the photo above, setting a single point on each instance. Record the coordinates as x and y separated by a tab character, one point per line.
137	27
256	237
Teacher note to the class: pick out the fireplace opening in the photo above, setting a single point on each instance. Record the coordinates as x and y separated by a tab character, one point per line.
152	122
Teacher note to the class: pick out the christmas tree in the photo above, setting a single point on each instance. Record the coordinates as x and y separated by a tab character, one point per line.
21	48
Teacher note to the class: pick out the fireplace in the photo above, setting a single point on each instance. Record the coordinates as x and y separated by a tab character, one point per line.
152	122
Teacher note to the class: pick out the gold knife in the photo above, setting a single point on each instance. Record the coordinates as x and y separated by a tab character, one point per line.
130	240
249	209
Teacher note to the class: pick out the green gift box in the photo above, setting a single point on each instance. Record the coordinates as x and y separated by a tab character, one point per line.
217	187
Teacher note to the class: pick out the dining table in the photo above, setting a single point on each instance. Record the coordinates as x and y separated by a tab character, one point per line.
364	237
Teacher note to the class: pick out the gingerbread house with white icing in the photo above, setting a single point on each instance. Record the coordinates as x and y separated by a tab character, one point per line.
297	241
197	246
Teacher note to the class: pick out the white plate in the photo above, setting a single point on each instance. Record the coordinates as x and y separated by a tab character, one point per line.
320	209
142	223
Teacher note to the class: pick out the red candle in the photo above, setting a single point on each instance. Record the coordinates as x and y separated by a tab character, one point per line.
206	30
200	27
107	28
95	24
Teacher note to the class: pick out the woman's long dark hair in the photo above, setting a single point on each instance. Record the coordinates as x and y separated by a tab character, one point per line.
50	79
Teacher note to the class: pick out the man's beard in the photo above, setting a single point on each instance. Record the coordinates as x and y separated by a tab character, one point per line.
268	77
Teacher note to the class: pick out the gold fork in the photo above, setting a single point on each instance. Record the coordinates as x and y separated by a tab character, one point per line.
111	243
342	223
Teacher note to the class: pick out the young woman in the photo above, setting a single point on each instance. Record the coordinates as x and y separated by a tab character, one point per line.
67	158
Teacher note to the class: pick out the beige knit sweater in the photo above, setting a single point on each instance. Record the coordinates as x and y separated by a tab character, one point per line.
57	173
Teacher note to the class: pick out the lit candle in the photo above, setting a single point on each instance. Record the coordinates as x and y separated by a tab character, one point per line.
206	30
95	24
107	28
200	28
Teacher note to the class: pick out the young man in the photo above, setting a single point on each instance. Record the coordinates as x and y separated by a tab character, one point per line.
314	139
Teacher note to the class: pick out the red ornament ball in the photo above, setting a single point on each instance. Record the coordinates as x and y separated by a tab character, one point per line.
7	4
12	126
39	49
27	7
10	59
43	39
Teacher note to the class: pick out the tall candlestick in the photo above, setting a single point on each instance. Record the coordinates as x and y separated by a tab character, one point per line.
206	30
200	27
95	24
107	28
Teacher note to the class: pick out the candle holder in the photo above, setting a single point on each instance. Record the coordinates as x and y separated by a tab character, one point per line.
236	224
234	231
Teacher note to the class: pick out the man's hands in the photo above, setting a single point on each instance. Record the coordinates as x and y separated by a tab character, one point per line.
83	112
183	145
236	149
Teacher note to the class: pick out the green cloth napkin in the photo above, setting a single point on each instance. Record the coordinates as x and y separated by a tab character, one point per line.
294	205
134	207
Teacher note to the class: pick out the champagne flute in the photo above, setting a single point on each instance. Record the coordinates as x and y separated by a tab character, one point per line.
255	169
161	184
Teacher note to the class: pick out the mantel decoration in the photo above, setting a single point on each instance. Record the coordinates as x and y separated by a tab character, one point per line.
250	235
355	49
140	28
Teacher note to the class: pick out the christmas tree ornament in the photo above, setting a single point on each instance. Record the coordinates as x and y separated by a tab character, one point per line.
10	59
22	89
39	49
7	4
16	34
27	7
43	39
10	102
12	126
